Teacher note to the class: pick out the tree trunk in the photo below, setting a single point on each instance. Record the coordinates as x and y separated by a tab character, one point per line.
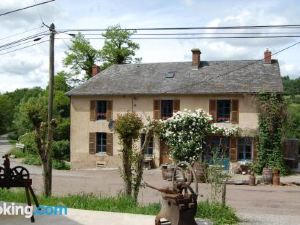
140	165
127	163
47	176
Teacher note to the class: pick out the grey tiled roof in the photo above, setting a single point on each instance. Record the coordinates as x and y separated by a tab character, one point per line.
213	77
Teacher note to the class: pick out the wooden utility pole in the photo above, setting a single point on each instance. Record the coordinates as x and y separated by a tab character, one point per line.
47	164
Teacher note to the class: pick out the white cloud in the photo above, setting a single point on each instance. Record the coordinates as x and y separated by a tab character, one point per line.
27	68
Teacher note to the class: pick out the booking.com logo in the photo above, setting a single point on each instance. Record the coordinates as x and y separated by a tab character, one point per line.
11	209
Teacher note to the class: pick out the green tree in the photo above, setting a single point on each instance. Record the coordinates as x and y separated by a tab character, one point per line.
81	56
6	113
118	48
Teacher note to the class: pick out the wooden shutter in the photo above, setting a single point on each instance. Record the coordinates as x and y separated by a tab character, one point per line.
235	111
176	106
93	110
109	110
109	144
92	141
233	149
213	109
156	109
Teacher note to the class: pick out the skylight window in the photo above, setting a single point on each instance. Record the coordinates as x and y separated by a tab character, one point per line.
170	74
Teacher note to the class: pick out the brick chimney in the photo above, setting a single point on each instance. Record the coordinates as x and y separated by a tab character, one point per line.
267	57
95	70
196	57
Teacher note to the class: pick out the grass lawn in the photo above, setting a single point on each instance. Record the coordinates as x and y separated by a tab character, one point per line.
215	212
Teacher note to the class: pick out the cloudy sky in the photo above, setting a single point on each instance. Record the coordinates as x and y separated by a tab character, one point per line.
29	67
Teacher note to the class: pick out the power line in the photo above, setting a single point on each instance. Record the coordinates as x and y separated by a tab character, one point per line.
203	37
17	34
24	47
285	26
23	39
27	7
203	33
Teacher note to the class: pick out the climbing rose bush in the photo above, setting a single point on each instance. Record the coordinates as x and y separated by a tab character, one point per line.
186	132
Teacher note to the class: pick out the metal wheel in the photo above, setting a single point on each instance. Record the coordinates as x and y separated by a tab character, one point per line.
2	173
20	173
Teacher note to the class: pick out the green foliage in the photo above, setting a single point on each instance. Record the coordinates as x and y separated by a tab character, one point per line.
81	56
31	159
272	117
293	127
216	212
61	150
128	128
18	153
60	165
291	86
6	113
118	48
62	131
61	104
61	82
28	139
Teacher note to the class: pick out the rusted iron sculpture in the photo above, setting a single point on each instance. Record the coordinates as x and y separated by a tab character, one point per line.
179	202
17	177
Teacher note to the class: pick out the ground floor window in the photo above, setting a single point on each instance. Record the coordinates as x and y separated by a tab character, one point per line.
149	149
245	148
101	143
219	144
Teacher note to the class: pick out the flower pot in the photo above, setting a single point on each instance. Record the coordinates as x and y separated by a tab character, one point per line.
276	177
267	175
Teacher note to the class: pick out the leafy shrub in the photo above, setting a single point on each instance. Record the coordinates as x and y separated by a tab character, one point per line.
62	131
18	153
28	139
61	150
186	132
31	159
60	165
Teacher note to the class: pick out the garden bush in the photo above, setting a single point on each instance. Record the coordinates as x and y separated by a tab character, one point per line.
61	150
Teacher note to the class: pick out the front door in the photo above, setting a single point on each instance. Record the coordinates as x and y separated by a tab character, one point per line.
164	153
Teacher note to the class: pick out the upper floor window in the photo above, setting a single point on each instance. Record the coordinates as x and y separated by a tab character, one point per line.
101	143
101	110
223	110
245	148
166	109
149	149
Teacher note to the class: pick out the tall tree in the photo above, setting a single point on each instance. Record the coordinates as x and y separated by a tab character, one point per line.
81	56
118	48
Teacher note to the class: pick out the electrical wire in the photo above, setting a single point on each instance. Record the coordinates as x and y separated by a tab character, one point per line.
284	26
204	37
27	7
203	33
18	49
23	32
37	35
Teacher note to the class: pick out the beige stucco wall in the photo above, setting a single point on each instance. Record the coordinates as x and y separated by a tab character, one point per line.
81	125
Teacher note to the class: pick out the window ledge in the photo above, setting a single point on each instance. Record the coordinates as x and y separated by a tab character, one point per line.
101	154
